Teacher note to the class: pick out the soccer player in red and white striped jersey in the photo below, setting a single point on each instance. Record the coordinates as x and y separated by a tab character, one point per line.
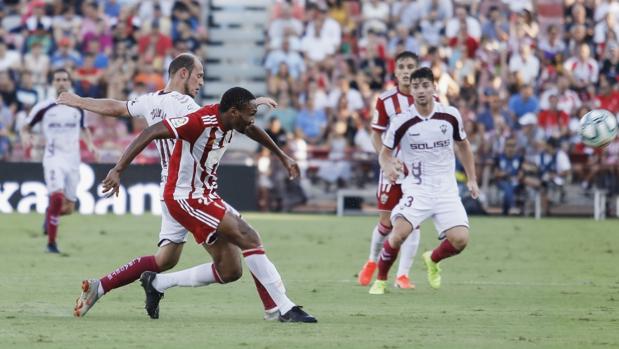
191	197
390	103
176	99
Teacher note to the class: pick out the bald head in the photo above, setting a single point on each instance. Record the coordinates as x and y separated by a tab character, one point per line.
184	60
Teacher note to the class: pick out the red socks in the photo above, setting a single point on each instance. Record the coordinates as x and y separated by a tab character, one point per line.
383	229
387	256
128	273
266	299
52	214
444	250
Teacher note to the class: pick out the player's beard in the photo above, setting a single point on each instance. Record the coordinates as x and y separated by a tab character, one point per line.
186	89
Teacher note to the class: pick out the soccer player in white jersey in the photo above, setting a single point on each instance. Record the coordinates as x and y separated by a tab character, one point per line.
389	104
191	197
176	99
62	126
426	135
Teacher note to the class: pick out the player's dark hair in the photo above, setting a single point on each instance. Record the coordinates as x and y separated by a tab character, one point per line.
407	54
184	60
61	70
422	73
236	97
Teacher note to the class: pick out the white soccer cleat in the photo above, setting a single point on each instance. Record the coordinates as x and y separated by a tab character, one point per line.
88	298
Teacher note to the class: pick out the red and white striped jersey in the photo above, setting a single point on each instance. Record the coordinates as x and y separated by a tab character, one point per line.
192	172
389	104
157	106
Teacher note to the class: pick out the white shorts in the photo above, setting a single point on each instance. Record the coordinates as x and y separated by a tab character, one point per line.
446	212
59	178
173	231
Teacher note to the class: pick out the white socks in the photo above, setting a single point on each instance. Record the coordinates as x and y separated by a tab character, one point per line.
265	272
197	276
377	242
408	250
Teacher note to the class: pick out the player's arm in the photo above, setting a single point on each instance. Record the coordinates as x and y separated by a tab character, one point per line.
111	183
468	162
259	135
87	137
377	141
103	106
391	166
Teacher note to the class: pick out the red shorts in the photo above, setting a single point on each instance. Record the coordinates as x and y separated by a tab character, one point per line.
200	216
388	194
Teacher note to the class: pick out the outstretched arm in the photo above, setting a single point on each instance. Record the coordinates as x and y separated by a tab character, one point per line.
103	106
111	183
468	162
259	135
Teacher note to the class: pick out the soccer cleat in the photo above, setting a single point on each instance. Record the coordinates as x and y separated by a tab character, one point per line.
403	281
297	314
152	295
366	273
52	248
271	314
378	287
88	298
434	270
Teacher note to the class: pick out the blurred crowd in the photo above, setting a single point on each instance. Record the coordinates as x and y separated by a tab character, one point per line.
522	73
113	48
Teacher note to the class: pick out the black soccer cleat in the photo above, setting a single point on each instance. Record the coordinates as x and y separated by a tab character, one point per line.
152	295
52	248
297	314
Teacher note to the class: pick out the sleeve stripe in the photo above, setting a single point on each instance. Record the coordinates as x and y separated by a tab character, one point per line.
128	110
39	115
172	130
378	127
401	131
81	119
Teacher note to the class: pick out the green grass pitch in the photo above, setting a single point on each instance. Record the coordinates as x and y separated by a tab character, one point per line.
520	284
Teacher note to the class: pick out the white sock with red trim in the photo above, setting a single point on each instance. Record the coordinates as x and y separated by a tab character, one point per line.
265	272
200	275
408	251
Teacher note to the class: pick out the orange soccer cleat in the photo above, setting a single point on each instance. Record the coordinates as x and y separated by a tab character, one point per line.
366	273
404	282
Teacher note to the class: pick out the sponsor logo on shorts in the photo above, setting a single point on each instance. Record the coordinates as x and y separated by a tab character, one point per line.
384	198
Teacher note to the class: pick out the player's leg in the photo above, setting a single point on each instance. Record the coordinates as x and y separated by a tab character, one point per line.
71	180
248	240
226	267
408	251
203	219
171	241
401	230
387	195
54	180
452	223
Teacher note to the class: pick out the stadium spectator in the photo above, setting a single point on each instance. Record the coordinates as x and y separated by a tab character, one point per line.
582	69
9	59
311	122
554	121
524	102
292	59
507	174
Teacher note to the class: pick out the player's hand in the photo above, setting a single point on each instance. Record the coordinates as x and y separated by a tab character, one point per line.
473	189
111	183
394	170
270	102
26	140
292	167
68	98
